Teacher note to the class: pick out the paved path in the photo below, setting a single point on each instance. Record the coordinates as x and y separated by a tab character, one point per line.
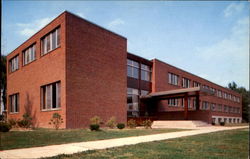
54	150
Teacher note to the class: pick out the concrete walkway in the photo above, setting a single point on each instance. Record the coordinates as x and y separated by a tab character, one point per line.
54	150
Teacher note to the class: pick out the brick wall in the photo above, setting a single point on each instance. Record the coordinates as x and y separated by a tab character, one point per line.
96	73
28	80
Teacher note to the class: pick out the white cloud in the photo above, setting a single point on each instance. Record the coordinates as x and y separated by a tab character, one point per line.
115	23
233	8
229	56
28	29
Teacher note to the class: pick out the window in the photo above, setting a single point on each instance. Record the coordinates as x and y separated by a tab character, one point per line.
189	103
213	107
14	64
132	102
29	54
50	41
145	72
14	103
196	84
219	107
132	69
219	93
173	102
185	83
51	96
225	108
173	79
205	105
238	99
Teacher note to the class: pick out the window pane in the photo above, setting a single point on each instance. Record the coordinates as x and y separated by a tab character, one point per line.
48	43
48	96
53	40
135	72
58	37
129	71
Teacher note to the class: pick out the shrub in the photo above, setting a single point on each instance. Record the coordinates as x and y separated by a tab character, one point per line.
1	117
120	125
95	120
26	122
111	123
94	127
56	120
147	124
4	127
12	122
131	123
222	123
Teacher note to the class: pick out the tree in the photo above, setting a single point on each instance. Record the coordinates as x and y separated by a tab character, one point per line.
245	99
3	80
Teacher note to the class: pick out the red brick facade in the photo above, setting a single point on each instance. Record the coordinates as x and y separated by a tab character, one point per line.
91	65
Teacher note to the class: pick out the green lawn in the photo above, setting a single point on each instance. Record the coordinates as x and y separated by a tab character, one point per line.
232	144
43	137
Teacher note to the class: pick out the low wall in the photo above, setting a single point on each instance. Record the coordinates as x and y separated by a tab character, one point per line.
179	115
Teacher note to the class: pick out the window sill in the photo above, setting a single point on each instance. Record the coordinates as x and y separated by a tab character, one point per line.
13	113
29	63
42	55
48	110
13	71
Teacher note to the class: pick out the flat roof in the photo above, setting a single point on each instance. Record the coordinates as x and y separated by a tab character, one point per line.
179	91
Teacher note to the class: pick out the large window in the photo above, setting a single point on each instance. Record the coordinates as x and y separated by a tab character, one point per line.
225	108
29	55
173	102
132	102
205	105
50	96
132	69
196	84
219	107
172	79
213	107
14	103
14	64
145	72
50	41
185	83
219	93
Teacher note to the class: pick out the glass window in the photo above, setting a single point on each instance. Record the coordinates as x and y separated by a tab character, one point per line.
145	72
50	41
29	54
173	102
132	69
173	79
51	96
14	103
185	83
132	102
14	64
196	84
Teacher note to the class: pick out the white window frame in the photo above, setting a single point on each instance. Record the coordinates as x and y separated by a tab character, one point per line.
44	42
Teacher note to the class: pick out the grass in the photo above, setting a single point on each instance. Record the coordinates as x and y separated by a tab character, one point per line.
43	137
232	144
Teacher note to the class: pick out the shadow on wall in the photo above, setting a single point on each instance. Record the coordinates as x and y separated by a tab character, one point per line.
28	108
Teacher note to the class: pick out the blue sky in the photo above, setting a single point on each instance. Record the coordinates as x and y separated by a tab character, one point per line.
209	39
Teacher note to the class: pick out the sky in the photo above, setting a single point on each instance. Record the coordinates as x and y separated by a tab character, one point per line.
209	39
